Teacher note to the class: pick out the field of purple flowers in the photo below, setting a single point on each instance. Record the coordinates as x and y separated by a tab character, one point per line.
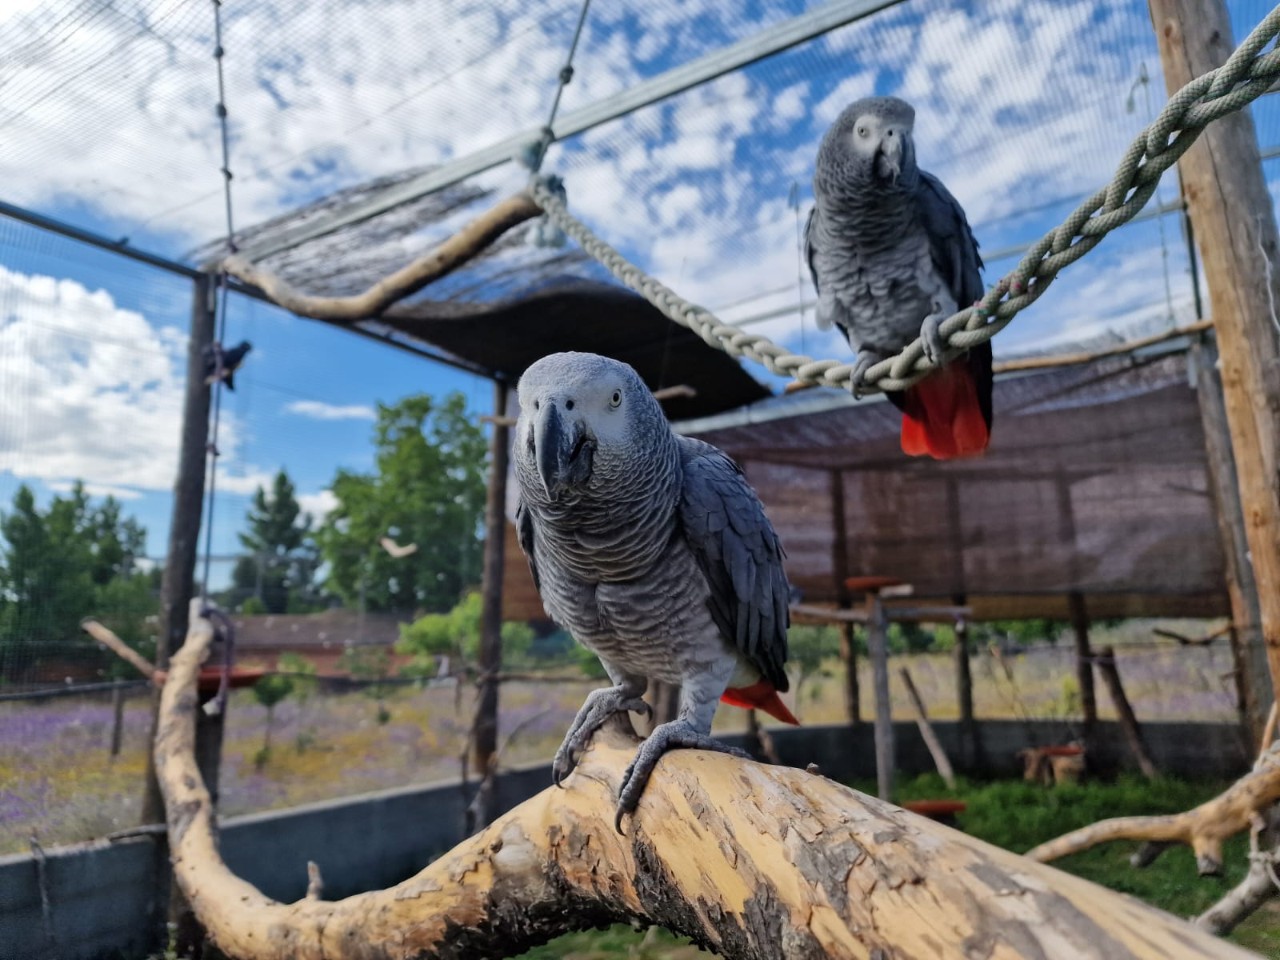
59	783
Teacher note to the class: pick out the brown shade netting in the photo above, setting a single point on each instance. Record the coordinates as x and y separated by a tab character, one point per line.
1095	482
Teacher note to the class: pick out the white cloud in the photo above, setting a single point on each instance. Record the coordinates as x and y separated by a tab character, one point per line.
318	410
319	504
91	391
97	490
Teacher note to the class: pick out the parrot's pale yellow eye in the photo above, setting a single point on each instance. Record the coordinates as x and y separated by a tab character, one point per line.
862	131
616	399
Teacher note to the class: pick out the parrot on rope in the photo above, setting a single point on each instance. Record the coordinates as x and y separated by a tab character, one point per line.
892	256
651	550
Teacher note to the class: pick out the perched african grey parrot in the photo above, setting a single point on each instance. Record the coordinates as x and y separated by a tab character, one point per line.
892	256
652	551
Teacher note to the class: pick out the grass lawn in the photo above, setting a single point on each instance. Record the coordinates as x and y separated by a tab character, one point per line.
1017	816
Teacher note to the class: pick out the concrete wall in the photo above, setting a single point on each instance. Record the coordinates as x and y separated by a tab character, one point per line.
101	896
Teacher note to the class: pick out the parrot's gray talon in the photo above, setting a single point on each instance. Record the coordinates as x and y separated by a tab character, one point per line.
599	707
866	360
931	336
667	736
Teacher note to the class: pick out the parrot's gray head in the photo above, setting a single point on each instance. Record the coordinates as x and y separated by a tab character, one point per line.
872	140
585	420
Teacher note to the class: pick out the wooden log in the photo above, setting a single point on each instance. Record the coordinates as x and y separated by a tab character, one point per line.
746	859
1084	668
849	656
443	260
1235	228
878	650
926	732
486	722
1106	663
104	635
971	754
1258	885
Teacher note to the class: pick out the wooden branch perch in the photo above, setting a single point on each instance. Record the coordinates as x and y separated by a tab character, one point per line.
752	861
1204	829
104	636
444	259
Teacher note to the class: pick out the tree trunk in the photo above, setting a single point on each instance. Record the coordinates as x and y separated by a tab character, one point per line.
1084	670
796	866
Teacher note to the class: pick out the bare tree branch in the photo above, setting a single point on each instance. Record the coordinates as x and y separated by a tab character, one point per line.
444	259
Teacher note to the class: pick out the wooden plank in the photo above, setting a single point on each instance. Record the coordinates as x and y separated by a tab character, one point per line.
1231	208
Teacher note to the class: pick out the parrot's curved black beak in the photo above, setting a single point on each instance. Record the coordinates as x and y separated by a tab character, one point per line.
563	449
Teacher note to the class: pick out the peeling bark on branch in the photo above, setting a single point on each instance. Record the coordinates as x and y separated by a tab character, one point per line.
444	259
752	861
1204	829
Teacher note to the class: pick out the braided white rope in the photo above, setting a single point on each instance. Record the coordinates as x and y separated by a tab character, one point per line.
1247	75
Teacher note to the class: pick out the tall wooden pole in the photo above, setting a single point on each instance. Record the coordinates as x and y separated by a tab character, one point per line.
1235	228
486	735
971	754
178	578
840	573
878	648
1252	673
1084	668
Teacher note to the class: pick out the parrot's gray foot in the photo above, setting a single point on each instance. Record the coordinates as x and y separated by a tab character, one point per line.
931	336
866	360
600	705
668	736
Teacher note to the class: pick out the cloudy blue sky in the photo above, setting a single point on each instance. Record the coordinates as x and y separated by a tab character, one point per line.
106	121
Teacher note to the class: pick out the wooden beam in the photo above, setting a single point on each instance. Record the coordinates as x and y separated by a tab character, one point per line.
878	650
464	245
1089	356
930	738
1253	675
1231	208
804	868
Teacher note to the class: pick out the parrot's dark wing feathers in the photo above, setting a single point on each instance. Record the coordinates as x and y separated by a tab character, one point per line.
952	246
808	248
524	531
741	556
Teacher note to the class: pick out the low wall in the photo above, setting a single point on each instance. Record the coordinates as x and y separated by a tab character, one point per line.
101	897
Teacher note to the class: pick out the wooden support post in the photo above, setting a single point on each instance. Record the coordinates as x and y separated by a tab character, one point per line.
878	648
117	717
1253	679
1128	721
849	654
178	578
486	725
1235	227
1084	669
926	731
971	755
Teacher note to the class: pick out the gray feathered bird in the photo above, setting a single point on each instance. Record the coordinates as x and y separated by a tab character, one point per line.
892	256
652	551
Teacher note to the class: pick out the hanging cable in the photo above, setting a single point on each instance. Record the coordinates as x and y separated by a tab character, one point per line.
211	474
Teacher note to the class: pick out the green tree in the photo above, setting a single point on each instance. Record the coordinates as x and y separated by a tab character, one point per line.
269	691
457	634
428	490
63	563
808	650
280	560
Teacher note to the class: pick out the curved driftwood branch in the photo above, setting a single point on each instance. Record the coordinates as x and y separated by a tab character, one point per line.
1203	829
444	259
753	861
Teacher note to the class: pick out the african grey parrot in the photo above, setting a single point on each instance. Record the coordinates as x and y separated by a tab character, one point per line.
892	256
652	551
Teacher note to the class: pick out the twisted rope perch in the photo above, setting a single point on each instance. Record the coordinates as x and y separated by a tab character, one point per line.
1247	75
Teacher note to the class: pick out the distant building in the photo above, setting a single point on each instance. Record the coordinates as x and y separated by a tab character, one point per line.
320	637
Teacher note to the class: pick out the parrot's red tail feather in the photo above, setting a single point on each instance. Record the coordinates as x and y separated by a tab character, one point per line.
760	696
942	416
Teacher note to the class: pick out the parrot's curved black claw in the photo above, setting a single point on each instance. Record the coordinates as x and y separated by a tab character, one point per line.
600	705
667	736
930	335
